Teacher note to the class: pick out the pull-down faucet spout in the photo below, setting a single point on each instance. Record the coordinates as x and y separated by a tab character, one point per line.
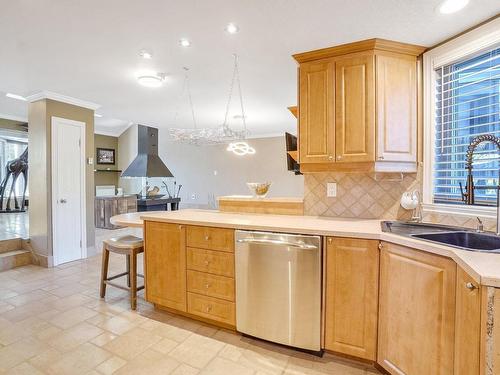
468	196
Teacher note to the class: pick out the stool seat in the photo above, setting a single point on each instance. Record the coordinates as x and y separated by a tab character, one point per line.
130	246
125	242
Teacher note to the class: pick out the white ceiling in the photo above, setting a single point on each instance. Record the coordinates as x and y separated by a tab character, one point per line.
89	50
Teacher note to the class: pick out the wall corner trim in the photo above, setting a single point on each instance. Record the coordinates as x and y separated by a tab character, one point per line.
62	98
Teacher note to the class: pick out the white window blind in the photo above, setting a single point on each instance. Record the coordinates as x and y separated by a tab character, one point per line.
467	105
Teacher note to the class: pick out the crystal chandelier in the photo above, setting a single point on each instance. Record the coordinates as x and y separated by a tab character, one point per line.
221	134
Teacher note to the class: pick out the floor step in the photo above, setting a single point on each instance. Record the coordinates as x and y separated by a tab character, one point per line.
15	258
11	244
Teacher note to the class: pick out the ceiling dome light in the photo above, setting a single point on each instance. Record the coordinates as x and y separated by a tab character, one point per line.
151	80
452	6
185	42
232	28
145	54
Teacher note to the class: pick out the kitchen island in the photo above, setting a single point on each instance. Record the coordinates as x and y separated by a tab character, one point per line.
375	286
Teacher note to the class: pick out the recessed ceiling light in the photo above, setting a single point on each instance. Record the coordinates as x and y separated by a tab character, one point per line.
452	6
185	42
97	115
232	28
145	54
151	80
15	96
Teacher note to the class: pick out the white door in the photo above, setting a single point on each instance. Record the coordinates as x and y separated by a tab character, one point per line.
68	190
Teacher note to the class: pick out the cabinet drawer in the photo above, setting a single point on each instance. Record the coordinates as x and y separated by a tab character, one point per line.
212	308
210	285
219	239
216	262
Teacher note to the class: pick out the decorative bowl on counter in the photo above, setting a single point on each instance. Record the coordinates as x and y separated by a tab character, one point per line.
259	189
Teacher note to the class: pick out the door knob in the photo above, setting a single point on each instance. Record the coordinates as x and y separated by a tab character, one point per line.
63	201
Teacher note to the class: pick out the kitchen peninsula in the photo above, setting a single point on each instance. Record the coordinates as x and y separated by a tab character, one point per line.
373	282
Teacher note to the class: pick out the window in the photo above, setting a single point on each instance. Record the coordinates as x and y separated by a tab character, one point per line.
467	104
9	150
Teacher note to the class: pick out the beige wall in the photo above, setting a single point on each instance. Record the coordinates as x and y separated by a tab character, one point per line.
210	171
105	178
12	125
40	114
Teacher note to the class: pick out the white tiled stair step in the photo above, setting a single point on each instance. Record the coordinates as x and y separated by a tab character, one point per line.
15	258
10	245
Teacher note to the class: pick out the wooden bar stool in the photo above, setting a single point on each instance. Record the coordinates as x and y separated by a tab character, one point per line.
129	246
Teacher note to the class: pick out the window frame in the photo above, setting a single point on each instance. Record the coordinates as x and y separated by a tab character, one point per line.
466	45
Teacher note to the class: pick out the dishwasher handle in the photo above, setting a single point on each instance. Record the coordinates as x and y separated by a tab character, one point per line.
263	241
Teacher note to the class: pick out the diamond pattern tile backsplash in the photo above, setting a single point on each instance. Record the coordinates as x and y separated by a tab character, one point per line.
373	196
359	195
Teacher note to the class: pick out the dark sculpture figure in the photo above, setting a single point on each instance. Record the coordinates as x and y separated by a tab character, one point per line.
15	168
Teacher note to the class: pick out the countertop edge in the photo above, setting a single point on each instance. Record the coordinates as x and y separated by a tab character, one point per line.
465	259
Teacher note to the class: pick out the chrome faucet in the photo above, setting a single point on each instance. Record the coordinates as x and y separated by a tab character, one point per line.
468	195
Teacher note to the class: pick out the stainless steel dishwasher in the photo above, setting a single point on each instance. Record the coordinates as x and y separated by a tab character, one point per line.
278	288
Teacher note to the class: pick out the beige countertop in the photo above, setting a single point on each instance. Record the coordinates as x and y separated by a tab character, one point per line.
483	267
251	198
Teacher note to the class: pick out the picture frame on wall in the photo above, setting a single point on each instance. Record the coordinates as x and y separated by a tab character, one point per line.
105	155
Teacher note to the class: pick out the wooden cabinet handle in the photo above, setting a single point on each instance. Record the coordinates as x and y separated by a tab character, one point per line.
470	286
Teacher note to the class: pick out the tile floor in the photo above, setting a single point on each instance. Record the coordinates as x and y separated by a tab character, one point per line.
13	225
52	321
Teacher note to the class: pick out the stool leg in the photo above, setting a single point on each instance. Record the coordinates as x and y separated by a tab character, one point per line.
133	280
127	257
104	270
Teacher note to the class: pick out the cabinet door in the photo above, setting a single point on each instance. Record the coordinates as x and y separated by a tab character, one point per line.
467	325
396	109
316	112
355	109
165	264
351	296
416	312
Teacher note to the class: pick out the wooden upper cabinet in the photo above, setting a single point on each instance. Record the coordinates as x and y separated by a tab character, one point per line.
396	108
351	296
358	107
165	264
316	112
467	325
355	109
416	330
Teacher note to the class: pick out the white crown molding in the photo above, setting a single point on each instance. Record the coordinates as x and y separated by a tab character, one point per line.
108	133
62	98
13	118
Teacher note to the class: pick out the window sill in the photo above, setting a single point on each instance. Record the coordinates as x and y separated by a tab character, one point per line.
461	210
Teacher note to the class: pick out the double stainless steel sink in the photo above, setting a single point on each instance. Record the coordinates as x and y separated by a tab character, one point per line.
445	235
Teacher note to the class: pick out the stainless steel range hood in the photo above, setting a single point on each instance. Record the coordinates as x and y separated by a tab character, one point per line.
147	163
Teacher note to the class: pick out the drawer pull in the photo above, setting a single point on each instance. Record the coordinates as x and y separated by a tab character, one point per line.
207	262
207	238
470	286
207	285
208	308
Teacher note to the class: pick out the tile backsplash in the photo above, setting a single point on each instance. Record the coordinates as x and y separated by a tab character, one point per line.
359	195
373	196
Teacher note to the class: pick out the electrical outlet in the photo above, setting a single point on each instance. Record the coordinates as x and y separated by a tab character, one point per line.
331	189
